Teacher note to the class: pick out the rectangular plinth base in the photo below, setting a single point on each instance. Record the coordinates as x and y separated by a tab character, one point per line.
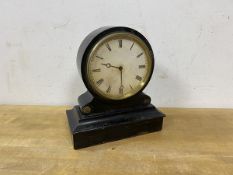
95	130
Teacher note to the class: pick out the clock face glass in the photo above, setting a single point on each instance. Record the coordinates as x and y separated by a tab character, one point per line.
119	66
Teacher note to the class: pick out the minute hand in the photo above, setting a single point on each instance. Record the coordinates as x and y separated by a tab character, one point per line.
121	75
121	87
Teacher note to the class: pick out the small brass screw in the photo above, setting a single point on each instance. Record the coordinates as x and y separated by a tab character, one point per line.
86	109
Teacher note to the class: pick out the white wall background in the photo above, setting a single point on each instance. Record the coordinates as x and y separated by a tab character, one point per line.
192	42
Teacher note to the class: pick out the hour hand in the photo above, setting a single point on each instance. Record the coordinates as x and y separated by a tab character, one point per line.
108	65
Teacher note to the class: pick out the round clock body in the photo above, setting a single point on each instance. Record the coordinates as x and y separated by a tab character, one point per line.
116	63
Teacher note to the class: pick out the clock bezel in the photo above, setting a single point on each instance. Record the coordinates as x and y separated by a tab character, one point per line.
90	42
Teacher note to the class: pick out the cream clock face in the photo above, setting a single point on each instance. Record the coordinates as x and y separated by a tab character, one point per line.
119	66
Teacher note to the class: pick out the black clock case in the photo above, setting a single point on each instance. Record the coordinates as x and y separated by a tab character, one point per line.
109	120
90	41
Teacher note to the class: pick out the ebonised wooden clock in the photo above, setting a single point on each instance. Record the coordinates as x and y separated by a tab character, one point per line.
116	64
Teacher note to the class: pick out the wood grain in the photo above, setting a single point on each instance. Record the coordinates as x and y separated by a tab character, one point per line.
36	140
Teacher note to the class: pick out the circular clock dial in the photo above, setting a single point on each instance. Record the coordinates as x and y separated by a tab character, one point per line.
119	66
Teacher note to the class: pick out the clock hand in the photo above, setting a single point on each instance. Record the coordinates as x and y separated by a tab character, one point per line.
108	65
121	87
121	74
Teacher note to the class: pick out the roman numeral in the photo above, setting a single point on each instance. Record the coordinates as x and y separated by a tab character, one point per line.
142	66
121	90
139	55
131	46
99	57
100	81
138	78
96	70
120	43
107	45
109	89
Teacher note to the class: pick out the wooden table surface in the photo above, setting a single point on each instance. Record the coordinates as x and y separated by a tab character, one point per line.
36	140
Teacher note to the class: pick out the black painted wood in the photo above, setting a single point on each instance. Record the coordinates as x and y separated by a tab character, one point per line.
90	41
97	119
103	128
